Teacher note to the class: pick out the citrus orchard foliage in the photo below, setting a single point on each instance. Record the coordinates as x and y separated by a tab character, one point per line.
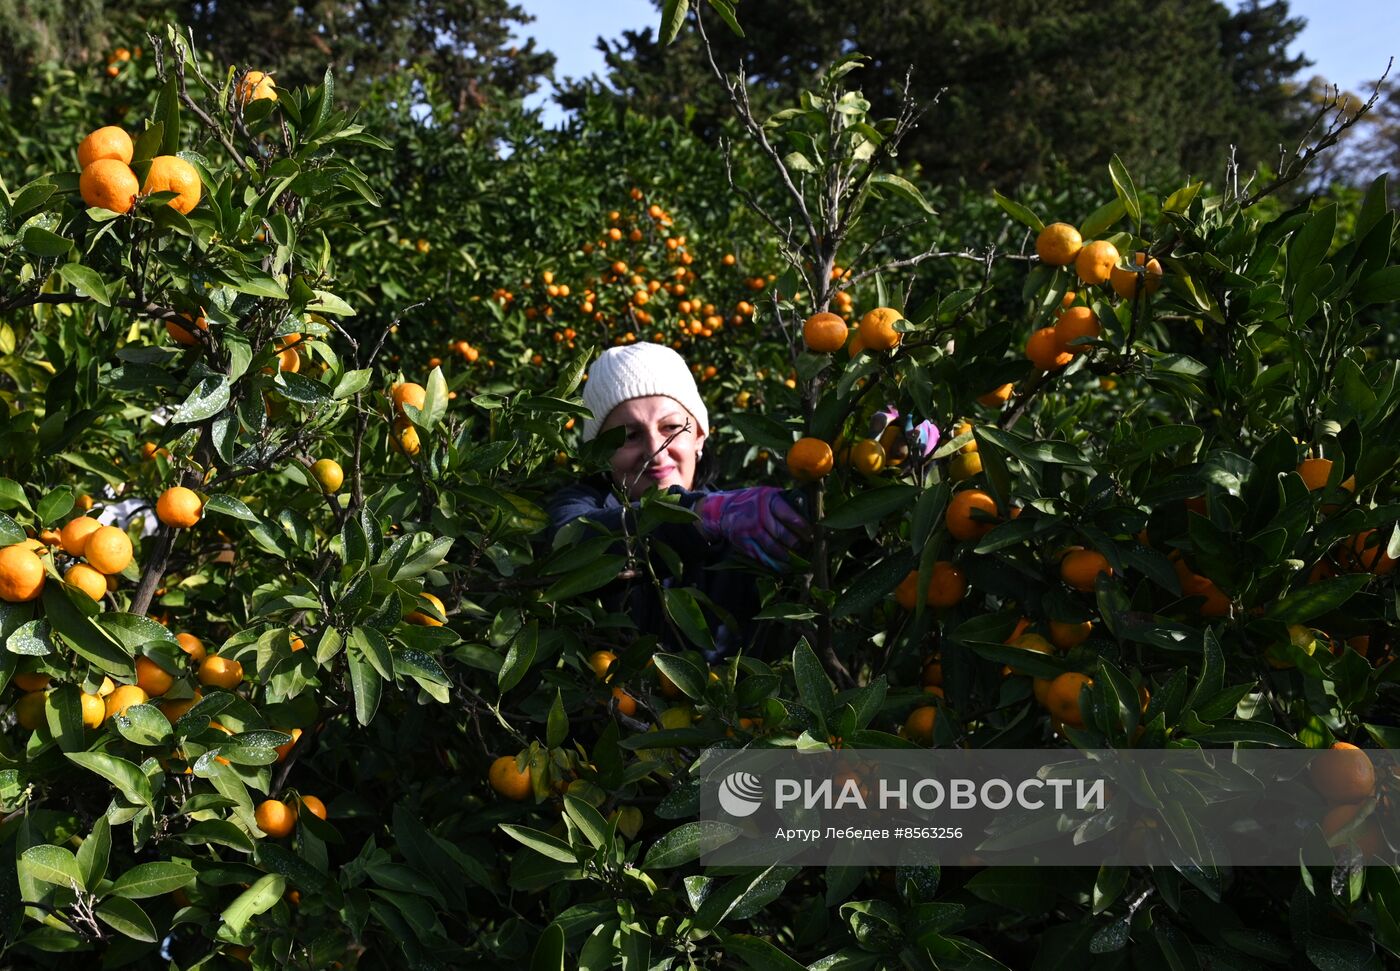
329	697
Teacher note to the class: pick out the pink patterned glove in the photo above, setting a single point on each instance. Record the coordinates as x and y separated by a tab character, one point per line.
760	522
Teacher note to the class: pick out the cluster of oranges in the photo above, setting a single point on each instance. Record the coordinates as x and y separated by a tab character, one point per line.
1095	263
107	181
1346	778
277	817
120	57
98	552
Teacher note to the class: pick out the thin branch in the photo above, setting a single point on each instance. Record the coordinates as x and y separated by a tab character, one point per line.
1304	154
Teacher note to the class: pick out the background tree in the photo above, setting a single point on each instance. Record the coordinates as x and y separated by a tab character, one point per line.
1168	86
466	45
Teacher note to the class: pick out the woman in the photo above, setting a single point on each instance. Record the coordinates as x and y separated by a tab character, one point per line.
646	390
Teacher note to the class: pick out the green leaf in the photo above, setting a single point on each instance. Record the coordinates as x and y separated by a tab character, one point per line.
602	571
1018	212
687	842
86	281
52	864
95	852
590	822
351	383
144	725
871	506
688	676
152	880
1102	218
1316	599
549	952
902	188
519	657
130	781
542	843
328	303
1123	185
557	726
1311	243
871	585
207	399
1383	286
686	614
44	244
127	917
759	954
261	897
813	685
672	20
230	506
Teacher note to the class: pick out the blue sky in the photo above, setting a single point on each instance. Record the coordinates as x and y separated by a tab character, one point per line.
1350	40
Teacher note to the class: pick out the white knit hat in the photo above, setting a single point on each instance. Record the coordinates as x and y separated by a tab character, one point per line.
636	371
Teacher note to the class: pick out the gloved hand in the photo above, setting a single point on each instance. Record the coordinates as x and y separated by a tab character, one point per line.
760	522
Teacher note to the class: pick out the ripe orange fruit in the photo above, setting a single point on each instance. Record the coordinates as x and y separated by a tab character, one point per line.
932	674
1343	774
192	646
422	619
152	678
877	331
275	818
1062	697
1368	838
1030	642
824	332
959	517
285	748
175	710
184	336
179	507
947	586
867	456
507	780
108	550
1080	568
110	142
1065	635
918	727
314	806
94	711
1096	261
1315	472
1044	351
123	698
1074	323
30	681
997	396
86	579
600	661
170	173
257	86
21	574
964	467
108	184
1358	555
809	459
403	438
625	702
1058	244
1125	282
328	474
29	709
220	672
74	535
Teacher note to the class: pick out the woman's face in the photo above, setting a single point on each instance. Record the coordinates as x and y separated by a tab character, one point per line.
646	458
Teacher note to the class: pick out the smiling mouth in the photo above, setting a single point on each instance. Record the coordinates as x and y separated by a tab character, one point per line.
661	471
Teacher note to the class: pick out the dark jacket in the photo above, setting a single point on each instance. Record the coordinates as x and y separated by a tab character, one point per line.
713	568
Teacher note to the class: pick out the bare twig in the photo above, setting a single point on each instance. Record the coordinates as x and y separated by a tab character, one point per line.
1301	157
